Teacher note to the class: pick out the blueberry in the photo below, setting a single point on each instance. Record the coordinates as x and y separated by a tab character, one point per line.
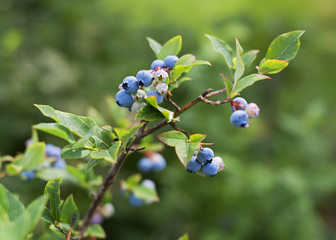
158	96
157	63
239	118
53	151
148	183
205	154
239	103
193	165
136	106
145	164
144	78
170	61
130	84
28	175
220	163
160	75
97	218
60	163
108	210
162	88
252	110
210	168
124	99
140	95
134	201
158	161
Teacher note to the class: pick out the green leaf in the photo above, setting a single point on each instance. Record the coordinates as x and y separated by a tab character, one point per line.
149	113
272	66
145	193
95	230
171	47
32	158
221	47
227	84
46	216
69	209
184	237
179	81
249	57
18	229
92	163
246	82
35	210
69	153
239	63
109	155
169	115
154	45
10	207
285	46
52	190
57	129
184	147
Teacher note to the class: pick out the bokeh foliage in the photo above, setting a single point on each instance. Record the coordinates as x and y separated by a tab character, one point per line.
280	178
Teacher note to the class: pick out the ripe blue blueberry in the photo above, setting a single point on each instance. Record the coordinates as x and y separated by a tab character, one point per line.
145	164
157	63
53	151
144	78
158	96
28	175
60	163
170	61
158	161
240	118
124	99
134	201
239	103
205	154
193	165
130	84
210	168
148	183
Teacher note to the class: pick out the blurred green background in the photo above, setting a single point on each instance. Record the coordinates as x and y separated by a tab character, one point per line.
280	179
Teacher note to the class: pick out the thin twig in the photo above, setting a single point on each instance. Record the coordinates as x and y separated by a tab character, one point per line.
60	229
71	227
173	103
179	129
135	149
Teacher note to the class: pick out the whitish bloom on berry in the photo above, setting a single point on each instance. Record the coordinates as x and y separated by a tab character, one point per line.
252	110
160	75
162	88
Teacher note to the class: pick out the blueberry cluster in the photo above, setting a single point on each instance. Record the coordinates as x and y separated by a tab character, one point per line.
137	202
51	151
146	83
242	112
206	161
152	162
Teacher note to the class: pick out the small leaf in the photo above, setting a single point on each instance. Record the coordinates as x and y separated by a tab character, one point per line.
227	84
246	82
35	210
149	113
109	155
57	129
171	47
285	46
249	57
239	63
46	216
92	163
52	190
69	209
169	115
145	193
185	64
173	138
221	47
74	153
95	230
272	66
184	237
10	207
154	45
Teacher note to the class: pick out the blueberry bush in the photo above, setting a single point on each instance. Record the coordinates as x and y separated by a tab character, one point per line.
143	105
